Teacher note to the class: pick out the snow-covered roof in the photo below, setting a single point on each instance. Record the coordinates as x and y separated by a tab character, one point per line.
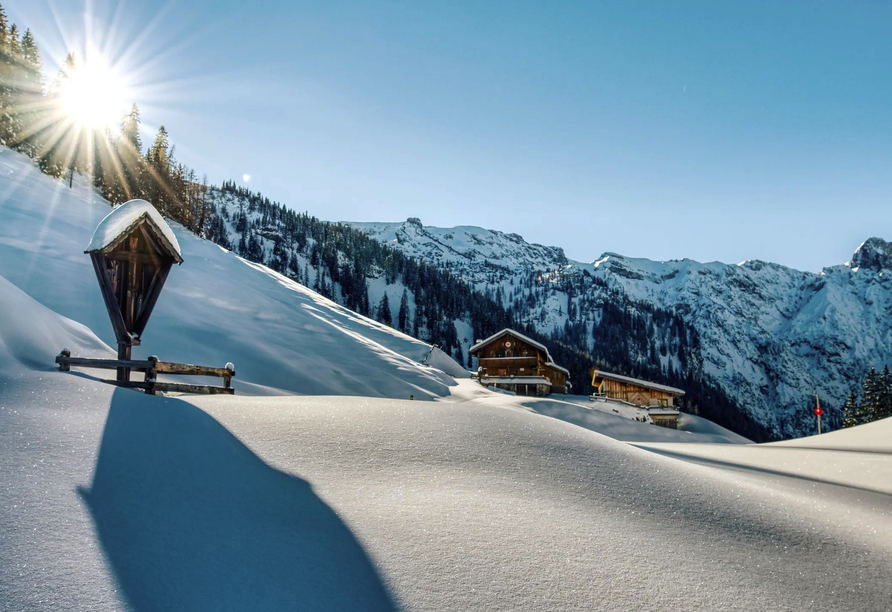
552	364
639	382
515	380
663	412
517	335
122	220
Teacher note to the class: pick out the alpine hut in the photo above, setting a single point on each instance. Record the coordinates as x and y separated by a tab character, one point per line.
657	398
511	361
633	390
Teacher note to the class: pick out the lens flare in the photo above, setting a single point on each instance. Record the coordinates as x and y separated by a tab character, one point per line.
94	96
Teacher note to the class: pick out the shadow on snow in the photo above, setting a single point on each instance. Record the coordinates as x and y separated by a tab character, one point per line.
191	519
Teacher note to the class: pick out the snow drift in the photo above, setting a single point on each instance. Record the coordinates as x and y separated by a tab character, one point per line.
283	336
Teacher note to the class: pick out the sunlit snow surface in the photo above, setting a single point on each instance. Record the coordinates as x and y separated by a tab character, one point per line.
110	499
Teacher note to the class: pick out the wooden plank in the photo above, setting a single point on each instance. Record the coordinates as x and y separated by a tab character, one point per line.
128	384
151	299
153	249
200	389
105	364
123	355
130	256
172	387
108	295
194	370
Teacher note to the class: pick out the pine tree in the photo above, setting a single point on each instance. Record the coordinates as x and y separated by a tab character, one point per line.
869	398
384	314
4	27
6	68
11	87
127	161
130	129
158	179
417	320
403	317
851	411
884	399
62	154
28	107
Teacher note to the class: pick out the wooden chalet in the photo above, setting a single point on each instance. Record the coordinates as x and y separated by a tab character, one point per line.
511	361
633	390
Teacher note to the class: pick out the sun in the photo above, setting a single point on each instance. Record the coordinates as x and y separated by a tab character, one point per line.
94	96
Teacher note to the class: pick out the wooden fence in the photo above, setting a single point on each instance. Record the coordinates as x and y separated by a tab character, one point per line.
152	367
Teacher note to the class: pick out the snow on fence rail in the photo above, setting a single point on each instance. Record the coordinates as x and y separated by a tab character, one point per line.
153	366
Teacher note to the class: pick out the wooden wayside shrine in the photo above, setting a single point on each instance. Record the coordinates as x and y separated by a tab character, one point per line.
133	250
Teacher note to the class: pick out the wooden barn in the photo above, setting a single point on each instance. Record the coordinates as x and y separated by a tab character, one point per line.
633	390
509	360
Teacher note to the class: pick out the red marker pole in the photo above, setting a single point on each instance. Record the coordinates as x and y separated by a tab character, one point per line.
819	412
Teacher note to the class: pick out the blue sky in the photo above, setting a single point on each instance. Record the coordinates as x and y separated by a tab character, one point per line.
709	130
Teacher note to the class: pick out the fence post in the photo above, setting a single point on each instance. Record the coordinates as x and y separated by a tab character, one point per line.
150	375
123	355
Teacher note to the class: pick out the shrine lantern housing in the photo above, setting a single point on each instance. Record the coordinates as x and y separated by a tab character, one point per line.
133	250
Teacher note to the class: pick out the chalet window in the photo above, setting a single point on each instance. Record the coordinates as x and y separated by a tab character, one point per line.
509	353
492	353
500	353
526	353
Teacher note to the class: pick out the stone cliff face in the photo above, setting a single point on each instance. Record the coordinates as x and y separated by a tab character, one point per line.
875	254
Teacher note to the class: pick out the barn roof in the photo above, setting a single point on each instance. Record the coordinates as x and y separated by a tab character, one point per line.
638	382
122	220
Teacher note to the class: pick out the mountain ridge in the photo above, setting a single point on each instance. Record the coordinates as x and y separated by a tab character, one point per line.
875	252
771	336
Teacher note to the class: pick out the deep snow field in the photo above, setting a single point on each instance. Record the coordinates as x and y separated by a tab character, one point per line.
320	486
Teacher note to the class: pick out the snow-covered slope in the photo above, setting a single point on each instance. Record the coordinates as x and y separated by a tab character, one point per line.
214	308
770	337
114	500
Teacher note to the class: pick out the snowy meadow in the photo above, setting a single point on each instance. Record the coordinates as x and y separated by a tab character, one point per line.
321	486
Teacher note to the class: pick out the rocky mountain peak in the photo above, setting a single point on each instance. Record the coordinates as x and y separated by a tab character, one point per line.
874	254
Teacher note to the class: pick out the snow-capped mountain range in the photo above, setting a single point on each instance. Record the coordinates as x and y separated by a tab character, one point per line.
771	337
